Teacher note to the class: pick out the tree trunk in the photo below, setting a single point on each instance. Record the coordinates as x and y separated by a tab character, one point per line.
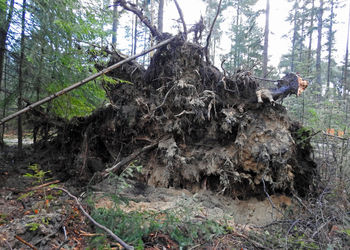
20	81
330	44
296	8
310	38
135	32
3	35
236	39
345	72
319	46
160	15
115	23
266	40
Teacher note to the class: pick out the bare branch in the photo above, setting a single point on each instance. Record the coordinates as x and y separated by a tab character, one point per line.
181	17
115	237
117	167
25	242
133	8
210	31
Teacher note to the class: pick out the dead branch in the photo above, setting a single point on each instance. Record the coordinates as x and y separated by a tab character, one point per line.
42	185
86	80
115	237
133	8
210	31
264	79
181	17
25	242
117	167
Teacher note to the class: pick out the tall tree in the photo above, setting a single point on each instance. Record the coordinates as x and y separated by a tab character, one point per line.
160	15
21	80
135	32
266	39
295	34
5	20
330	43
346	61
311	30
115	23
319	45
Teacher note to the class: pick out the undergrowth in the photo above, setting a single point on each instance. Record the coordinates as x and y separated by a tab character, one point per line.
179	224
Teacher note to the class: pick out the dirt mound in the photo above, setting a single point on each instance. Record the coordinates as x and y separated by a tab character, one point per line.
207	130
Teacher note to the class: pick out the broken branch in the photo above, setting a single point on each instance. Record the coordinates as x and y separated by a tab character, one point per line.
181	17
25	242
86	80
117	166
210	31
133	8
42	185
115	237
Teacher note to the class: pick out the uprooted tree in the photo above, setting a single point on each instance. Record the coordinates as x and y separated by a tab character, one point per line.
189	126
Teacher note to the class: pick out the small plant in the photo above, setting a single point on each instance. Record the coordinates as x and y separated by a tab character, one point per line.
38	175
33	226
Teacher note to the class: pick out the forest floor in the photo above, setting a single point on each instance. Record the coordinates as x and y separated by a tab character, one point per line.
44	218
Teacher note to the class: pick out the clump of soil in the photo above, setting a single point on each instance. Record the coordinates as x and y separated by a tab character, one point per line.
208	130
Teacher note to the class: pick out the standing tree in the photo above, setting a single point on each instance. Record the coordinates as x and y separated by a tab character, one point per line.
5	21
266	39
319	46
115	23
160	15
330	44
310	32
21	80
346	61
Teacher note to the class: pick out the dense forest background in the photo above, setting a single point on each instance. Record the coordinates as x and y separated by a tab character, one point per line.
48	45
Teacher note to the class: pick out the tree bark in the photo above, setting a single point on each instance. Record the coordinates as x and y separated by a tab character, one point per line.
266	39
135	33
115	23
310	38
3	35
160	16
319	46
296	8
330	44
345	72
20	81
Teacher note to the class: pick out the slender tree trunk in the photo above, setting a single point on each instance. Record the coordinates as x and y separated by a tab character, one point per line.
310	38
266	39
295	32
135	32
319	46
346	60
20	81
330	45
115	23
5	102
3	34
237	35
160	15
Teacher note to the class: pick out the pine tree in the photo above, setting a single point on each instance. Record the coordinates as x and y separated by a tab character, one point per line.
5	21
266	39
20	80
319	46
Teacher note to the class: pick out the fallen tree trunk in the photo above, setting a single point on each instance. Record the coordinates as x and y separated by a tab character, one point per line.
82	82
211	132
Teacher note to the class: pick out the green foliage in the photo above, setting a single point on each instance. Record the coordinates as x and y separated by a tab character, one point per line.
33	226
38	175
134	226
